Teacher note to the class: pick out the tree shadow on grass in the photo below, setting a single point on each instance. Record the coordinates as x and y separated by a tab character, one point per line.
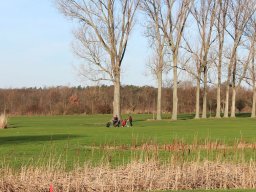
10	126
35	138
186	116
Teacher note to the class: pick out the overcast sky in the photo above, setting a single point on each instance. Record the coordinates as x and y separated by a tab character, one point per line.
35	48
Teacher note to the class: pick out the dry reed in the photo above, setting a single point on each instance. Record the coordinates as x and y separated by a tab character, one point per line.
136	176
3	121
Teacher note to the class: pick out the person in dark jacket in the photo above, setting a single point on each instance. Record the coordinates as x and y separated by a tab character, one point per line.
130	120
116	121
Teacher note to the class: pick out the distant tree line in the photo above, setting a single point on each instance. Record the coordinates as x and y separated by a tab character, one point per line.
98	99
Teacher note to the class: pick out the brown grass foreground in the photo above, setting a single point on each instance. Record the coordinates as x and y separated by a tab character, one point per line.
136	176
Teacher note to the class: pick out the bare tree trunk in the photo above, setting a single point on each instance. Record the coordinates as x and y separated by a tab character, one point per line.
116	102
152	10
204	13
226	101
253	100
233	106
221	26
197	116
173	17
219	79
219	86
175	87
218	101
227	90
205	94
253	80
159	96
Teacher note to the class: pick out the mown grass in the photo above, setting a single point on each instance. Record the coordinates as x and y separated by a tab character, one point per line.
74	140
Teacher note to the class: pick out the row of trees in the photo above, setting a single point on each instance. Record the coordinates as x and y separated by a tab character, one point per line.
98	100
212	41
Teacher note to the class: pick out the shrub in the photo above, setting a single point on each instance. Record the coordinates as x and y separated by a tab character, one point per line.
240	104
3	121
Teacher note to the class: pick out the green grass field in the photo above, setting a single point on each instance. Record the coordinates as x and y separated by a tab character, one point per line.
75	140
79	139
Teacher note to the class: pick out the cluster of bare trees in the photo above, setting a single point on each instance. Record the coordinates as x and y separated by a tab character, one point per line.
212	41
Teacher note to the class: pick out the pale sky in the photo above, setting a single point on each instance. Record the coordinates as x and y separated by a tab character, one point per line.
35	48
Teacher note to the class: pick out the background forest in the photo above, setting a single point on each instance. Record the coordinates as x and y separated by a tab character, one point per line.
98	99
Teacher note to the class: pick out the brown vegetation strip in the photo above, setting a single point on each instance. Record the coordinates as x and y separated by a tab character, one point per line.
177	146
136	176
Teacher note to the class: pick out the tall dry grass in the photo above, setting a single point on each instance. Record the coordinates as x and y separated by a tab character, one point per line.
136	176
3	121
